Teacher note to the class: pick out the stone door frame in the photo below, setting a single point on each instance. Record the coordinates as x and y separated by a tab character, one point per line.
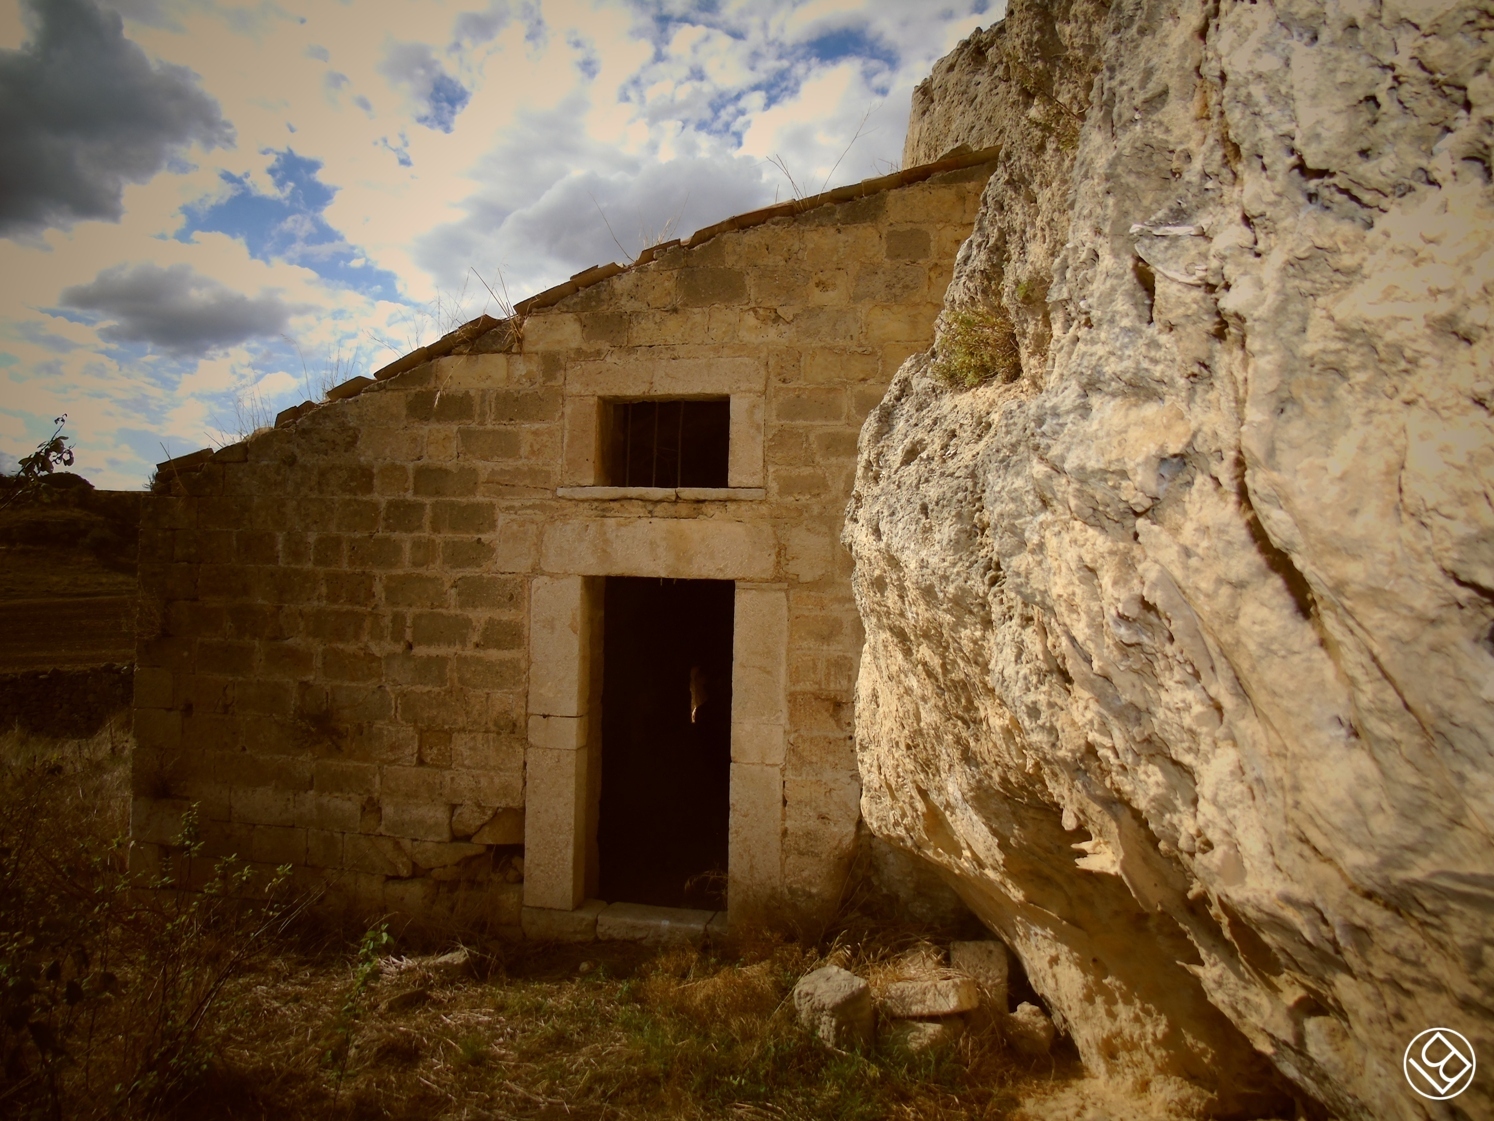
563	711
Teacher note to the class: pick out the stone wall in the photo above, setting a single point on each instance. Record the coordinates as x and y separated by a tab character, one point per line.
372	660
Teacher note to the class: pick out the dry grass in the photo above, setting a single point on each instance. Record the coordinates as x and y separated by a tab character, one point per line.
973	346
605	1030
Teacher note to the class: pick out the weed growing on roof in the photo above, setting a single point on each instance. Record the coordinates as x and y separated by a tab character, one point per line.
973	346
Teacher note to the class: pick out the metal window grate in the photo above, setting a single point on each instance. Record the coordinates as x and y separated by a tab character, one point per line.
667	443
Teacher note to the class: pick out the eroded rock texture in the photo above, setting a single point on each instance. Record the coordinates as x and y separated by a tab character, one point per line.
1179	651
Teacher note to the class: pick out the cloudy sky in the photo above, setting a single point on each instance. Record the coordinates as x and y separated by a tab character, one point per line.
211	211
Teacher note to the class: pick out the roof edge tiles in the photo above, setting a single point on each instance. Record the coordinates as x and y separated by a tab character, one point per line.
956	160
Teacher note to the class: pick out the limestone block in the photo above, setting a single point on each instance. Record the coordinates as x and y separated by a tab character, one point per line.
559	652
334	776
411	783
986	964
506	827
929	997
468	818
153	687
757	743
263	805
809	405
559	733
543	924
686	549
760	633
554	828
755	842
830	287
410	898
415	821
502	785
156	820
744	466
336	812
835	1005
471	371
525	406
489	443
776	284
630	375
516	545
275	844
1029	1029
552	330
582	431
432	854
703	287
899	323
324	849
654	926
387	856
914	1037
908	243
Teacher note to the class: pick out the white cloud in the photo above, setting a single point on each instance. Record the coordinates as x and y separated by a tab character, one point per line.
647	112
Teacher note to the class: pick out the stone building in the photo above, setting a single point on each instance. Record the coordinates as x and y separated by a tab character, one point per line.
554	610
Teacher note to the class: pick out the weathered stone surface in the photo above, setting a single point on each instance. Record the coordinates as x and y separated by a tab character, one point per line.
542	924
1177	646
986	964
913	1037
944	996
836	1005
1029	1029
655	926
446	968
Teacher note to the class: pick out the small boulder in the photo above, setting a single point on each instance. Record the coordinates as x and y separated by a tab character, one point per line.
913	1037
1029	1030
985	963
923	998
446	969
836	1006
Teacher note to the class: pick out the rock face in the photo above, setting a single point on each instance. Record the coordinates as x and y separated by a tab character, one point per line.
1179	651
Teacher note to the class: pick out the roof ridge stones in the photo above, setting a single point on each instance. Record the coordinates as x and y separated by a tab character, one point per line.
956	159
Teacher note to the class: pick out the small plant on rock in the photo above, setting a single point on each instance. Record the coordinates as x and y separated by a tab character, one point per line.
973	346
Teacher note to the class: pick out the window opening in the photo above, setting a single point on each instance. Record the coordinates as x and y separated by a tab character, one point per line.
667	443
666	741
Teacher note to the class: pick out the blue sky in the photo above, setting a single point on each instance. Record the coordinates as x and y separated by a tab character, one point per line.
209	210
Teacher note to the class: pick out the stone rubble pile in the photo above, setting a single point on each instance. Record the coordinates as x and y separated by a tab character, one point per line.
928	1007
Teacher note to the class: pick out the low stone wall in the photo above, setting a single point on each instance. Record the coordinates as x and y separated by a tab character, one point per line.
69	703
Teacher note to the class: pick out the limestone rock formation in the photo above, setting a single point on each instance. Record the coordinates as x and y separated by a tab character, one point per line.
1179	652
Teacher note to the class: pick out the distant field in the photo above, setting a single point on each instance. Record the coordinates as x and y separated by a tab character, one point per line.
72	631
67	579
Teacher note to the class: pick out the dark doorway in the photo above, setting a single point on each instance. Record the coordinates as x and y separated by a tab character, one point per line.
666	741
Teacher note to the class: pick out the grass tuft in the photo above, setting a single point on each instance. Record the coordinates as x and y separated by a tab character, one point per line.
973	346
